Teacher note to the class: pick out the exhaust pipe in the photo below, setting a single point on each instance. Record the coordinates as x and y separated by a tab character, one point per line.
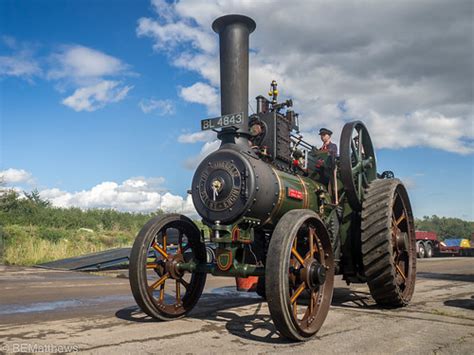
234	32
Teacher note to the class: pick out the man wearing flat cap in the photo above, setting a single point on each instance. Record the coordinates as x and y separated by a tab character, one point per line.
328	146
323	165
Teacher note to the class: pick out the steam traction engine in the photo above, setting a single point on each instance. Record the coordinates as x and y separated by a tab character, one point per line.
278	209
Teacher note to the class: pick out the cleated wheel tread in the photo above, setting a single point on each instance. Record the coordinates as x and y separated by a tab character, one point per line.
389	264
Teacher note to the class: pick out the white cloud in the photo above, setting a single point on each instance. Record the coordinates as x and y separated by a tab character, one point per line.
82	64
202	93
404	68
138	194
202	136
192	162
91	98
160	107
19	66
87	71
90	73
21	62
169	34
16	176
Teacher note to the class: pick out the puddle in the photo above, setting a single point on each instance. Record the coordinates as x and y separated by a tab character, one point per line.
230	291
59	305
39	307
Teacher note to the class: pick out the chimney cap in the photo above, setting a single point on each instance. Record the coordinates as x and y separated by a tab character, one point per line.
223	21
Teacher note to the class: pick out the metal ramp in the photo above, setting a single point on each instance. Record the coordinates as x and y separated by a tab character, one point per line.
108	259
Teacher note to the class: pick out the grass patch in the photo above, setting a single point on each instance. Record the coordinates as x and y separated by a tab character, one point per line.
31	245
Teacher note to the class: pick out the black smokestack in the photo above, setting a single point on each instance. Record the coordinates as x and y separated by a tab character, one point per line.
234	32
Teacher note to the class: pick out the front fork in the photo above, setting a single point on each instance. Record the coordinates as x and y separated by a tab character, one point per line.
233	248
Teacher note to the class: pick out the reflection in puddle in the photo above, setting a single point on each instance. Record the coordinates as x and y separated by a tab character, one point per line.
58	305
231	291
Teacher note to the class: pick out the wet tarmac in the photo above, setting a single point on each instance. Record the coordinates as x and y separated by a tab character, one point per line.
96	313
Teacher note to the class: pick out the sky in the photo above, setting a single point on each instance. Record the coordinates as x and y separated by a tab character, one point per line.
101	102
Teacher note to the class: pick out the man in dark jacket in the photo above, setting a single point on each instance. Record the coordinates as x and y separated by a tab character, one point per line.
326	166
328	146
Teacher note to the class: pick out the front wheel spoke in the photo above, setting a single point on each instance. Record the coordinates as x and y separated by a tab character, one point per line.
160	250
178	291
311	243
297	256
297	293
162	292
160	281
151	265
184	283
165	242
186	247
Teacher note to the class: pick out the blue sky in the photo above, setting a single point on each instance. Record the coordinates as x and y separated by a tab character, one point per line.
101	101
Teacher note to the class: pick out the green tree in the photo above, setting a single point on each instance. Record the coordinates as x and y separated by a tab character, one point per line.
446	227
35	198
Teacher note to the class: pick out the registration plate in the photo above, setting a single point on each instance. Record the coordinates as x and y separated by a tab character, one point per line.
234	119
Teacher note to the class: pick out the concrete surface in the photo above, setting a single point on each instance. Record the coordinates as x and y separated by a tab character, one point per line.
59	311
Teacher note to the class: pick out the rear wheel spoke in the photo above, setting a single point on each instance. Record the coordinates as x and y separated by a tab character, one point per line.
402	274
400	219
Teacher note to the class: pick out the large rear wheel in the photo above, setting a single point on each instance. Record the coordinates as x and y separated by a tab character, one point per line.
160	289
299	274
388	243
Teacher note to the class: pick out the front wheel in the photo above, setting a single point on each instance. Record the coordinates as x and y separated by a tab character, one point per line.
299	275
160	289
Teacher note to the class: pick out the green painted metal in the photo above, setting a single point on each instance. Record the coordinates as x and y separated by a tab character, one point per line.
237	270
313	195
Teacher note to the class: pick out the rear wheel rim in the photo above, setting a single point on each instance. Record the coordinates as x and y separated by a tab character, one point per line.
401	238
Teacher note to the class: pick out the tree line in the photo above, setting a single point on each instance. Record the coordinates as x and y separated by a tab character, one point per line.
446	227
29	209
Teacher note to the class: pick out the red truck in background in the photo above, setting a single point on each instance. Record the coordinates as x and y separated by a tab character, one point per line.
428	245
